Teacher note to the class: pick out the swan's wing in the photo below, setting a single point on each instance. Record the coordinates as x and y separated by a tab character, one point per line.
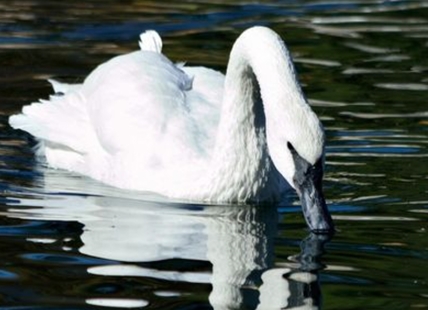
135	115
204	100
136	101
62	127
147	114
207	86
62	120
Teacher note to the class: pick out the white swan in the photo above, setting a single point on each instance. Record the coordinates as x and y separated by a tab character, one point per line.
141	122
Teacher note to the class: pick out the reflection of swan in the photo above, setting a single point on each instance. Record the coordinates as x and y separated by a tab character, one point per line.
141	122
237	241
300	286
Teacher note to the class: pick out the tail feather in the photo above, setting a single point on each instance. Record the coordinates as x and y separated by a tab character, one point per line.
151	41
63	88
62	120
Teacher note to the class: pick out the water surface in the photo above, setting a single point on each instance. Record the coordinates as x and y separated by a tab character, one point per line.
72	243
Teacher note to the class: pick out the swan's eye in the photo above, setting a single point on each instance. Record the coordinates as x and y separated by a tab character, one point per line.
305	171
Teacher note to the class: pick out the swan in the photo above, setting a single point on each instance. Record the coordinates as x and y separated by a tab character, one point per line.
141	122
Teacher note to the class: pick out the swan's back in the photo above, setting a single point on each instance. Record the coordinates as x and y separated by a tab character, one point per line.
138	121
136	101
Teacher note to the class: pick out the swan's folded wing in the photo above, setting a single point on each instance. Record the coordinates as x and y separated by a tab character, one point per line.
204	100
62	120
136	101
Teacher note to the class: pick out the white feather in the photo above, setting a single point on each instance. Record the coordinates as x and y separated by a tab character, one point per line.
150	41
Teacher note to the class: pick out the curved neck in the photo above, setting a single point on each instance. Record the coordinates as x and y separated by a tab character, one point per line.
260	78
259	59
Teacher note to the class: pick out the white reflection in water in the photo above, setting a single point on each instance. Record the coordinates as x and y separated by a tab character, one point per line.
403	86
320	62
114	302
369	49
361	218
389	58
354	71
422	114
237	240
364	19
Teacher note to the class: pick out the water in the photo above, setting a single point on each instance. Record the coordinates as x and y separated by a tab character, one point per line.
72	243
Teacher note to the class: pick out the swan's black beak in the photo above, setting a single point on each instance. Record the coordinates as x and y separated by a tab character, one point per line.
314	207
308	184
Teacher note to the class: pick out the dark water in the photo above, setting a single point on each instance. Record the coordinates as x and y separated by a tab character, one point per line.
71	243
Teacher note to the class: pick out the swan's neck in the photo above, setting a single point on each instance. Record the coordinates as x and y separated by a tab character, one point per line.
260	76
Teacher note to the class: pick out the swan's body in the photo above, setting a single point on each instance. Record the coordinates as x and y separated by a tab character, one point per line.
141	122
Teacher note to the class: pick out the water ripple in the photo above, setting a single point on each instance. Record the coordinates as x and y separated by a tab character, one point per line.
403	86
62	259
423	114
124	303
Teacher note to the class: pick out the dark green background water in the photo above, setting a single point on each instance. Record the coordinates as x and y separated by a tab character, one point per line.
364	68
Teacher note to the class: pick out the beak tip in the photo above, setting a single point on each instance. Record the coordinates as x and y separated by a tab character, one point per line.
319	221
324	230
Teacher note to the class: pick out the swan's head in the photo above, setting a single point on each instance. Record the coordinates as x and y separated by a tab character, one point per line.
298	154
